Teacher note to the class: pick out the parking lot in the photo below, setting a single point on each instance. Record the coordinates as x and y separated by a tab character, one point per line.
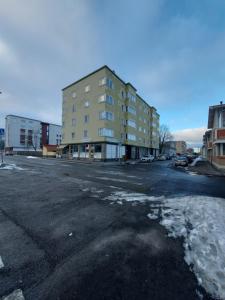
69	232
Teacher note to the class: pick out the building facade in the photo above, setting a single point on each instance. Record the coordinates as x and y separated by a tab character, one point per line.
24	134
214	137
181	147
104	118
170	148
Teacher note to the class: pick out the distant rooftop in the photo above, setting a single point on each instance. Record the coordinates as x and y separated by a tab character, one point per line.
212	110
21	117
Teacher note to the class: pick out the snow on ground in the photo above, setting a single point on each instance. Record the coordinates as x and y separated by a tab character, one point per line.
200	221
10	167
32	157
196	160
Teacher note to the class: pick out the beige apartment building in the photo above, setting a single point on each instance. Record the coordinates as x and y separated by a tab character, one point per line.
104	118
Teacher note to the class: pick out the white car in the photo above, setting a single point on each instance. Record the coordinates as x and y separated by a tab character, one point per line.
147	158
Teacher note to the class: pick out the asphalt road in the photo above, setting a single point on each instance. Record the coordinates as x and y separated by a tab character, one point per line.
60	239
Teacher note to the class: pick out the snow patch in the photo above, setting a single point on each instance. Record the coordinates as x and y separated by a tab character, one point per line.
16	295
200	221
10	167
32	157
130	197
1	263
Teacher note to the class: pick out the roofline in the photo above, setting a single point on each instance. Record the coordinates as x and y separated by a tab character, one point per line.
106	67
21	117
212	108
99	69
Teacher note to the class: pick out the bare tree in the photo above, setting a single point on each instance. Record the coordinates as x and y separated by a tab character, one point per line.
164	136
35	139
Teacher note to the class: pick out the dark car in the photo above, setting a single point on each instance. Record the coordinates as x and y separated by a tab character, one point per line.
181	161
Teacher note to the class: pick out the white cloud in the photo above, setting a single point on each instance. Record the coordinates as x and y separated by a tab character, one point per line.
192	136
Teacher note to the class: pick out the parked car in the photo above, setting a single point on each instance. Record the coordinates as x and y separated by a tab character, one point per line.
162	157
147	158
181	161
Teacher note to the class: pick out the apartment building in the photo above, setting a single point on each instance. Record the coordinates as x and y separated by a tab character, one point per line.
103	117
170	148
181	147
25	134
214	137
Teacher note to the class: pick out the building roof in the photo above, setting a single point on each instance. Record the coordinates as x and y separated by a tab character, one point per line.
212	110
21	117
92	73
113	72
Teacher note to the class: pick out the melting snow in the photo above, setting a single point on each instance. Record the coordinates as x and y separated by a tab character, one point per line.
10	167
32	157
200	221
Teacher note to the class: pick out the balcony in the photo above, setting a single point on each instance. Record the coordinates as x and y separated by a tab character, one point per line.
220	134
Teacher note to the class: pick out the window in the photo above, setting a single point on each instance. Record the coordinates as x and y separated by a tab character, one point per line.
74	94
63	124
73	135
109	83
86	118
73	108
22	136
131	137
106	115
87	88
86	104
144	130
109	100
106	98
123	94
223	153
102	81
131	123
131	97
105	132
85	133
73	122
131	110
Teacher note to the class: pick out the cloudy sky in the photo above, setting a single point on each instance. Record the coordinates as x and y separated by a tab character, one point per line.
173	52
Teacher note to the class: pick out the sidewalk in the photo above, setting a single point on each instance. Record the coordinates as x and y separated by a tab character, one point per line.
205	168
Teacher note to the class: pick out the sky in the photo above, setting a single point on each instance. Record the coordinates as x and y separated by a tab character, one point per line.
171	51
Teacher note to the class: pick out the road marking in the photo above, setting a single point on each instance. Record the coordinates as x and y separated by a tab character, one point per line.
16	295
1	263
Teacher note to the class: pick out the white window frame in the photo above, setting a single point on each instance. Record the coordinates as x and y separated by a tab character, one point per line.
86	103
87	88
102	81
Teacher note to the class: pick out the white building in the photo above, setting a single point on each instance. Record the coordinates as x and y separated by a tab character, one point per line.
25	134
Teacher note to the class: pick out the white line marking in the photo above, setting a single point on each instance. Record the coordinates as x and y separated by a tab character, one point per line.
1	263
16	295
